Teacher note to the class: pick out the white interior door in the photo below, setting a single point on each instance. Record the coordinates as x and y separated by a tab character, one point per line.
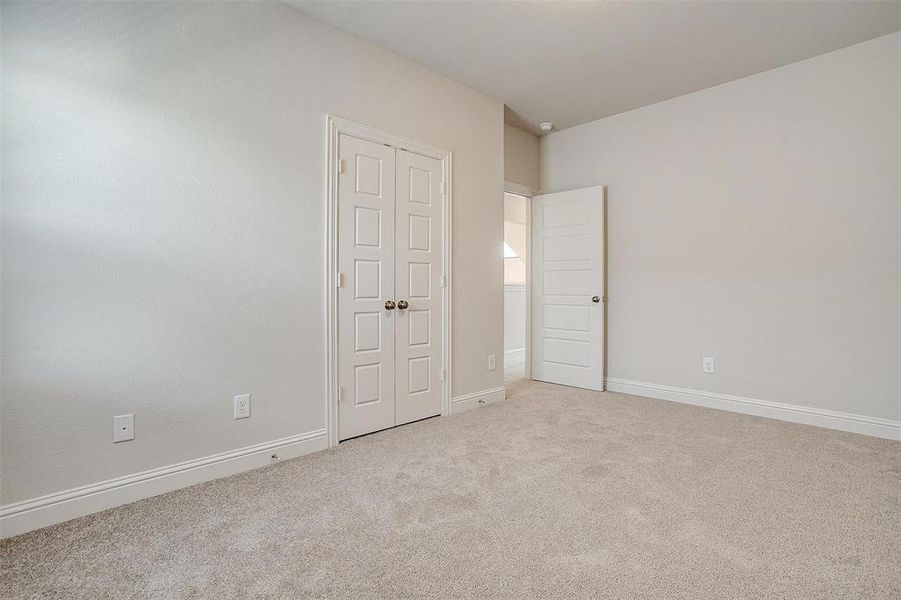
418	268
390	260
366	328
568	295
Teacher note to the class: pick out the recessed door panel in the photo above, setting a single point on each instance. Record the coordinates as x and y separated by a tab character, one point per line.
567	247
420	233
367	332
367	279
419	284
368	226
565	316
367	384
369	172
568	291
420	190
419	324
564	215
420	374
567	283
566	352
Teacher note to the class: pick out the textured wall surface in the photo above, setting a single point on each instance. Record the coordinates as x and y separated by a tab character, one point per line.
163	225
520	157
757	222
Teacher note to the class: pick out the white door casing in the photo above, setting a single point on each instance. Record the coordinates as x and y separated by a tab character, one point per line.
567	276
418	264
366	329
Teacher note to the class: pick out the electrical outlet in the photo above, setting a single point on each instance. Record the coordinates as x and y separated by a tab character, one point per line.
707	365
242	406
123	428
492	362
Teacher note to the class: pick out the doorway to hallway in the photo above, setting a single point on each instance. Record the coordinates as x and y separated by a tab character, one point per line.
516	269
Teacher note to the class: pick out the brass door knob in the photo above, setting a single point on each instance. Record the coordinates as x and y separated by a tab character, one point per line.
389	304
402	304
595	299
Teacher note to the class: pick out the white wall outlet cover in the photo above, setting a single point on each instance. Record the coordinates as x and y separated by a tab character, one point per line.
492	362
123	428
707	365
242	406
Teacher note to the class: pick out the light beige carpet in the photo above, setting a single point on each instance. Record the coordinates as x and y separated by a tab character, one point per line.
554	493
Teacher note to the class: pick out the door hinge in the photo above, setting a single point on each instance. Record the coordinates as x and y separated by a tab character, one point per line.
443	374
340	394
339	280
444	188
340	166
442	281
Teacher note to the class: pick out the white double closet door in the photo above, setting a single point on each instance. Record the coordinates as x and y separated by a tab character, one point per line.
390	260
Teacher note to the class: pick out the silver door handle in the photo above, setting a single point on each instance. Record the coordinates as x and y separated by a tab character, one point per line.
389	304
595	299
402	304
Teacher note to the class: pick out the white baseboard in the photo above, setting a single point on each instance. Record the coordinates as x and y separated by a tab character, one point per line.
55	508
873	426
476	399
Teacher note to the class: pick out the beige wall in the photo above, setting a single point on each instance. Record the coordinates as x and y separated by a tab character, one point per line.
757	222
520	157
163	226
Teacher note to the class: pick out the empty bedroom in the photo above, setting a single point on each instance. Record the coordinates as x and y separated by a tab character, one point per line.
450	299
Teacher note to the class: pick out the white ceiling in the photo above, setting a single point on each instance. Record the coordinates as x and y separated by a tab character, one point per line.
574	62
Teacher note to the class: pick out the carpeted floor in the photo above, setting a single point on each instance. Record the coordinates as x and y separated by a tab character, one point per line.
555	492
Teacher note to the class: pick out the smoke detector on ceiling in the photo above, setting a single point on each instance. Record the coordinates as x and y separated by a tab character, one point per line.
546	127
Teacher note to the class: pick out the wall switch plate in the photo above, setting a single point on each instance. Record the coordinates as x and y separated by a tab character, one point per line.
707	365
123	428
242	406
492	362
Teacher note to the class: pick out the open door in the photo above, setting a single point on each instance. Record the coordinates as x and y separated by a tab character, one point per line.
569	288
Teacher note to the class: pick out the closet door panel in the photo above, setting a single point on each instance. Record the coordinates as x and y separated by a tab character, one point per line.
418	264
366	249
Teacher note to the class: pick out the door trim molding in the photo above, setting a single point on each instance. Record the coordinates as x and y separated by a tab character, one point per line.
336	126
